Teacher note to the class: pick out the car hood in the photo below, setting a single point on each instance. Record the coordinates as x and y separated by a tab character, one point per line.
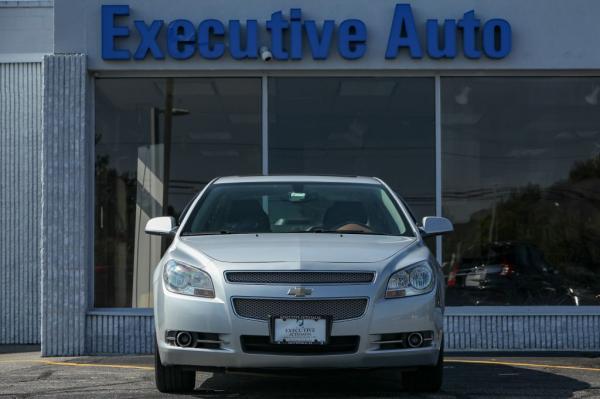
289	247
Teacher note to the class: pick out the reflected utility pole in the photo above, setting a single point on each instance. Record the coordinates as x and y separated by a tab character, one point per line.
493	231
168	113
168	128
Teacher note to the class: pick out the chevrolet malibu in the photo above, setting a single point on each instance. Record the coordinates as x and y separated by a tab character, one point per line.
298	272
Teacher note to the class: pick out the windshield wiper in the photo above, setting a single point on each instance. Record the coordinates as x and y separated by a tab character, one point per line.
361	232
207	233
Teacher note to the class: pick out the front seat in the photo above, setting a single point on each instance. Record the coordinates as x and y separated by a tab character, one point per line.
344	212
247	216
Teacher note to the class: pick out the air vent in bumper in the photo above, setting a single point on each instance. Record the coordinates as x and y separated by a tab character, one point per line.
336	345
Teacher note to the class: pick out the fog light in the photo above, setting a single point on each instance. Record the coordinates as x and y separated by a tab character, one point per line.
183	338
415	340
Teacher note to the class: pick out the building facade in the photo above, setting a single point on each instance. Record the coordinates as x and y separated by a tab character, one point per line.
485	112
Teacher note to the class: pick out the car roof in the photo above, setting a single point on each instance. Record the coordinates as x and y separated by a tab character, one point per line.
297	178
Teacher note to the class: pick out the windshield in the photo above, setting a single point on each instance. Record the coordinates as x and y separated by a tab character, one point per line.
236	208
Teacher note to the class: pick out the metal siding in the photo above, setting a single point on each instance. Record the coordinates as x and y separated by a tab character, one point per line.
134	334
20	133
65	205
119	334
525	332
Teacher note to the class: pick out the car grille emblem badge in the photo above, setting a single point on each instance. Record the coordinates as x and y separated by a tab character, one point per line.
299	292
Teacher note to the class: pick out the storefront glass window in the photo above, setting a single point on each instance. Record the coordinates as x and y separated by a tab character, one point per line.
158	142
382	127
521	182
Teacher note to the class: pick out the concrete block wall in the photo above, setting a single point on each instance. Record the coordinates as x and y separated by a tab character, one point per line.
65	198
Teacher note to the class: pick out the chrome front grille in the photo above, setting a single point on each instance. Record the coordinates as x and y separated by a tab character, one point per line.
262	309
299	277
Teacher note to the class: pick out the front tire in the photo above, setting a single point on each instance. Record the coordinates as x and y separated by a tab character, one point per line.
425	379
172	379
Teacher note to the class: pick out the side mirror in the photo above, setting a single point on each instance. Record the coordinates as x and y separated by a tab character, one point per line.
160	226
433	225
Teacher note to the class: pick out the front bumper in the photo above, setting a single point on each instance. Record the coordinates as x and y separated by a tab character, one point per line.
391	316
209	359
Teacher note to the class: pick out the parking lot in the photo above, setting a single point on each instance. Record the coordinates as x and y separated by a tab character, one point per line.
24	374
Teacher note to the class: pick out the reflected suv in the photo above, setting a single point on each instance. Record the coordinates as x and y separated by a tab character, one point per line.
507	273
298	272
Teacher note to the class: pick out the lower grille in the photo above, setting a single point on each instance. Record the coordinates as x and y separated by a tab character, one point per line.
262	309
337	345
302	277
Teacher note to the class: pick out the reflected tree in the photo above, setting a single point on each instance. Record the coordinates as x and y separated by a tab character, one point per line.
562	221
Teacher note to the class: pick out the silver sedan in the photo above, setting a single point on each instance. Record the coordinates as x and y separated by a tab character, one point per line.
298	272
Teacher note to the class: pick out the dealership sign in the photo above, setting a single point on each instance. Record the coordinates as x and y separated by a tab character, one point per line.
289	35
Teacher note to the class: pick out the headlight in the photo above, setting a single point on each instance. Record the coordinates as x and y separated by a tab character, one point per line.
413	280
187	280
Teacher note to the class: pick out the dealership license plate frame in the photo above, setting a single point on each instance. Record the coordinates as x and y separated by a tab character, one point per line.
328	320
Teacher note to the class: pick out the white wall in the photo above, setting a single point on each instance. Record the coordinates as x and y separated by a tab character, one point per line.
26	30
547	34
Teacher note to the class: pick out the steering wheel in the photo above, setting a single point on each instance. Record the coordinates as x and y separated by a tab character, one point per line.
352	226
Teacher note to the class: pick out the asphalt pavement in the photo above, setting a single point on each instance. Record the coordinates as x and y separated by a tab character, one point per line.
24	374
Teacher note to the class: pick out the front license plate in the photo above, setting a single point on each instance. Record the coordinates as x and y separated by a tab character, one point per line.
299	330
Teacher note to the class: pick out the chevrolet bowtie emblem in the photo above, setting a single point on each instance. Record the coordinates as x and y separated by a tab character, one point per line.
299	291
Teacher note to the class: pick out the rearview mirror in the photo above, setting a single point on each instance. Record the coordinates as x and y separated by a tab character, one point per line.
433	225
160	226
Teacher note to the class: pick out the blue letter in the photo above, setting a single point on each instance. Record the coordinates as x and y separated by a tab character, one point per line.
277	25
353	35
209	50
235	39
111	31
489	38
449	39
403	22
148	35
296	34
181	36
319	47
470	25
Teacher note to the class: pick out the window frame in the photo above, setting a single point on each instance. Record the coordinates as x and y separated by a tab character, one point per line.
264	76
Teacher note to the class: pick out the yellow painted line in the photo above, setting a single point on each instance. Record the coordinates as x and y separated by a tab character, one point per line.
55	363
517	364
113	366
19	361
463	361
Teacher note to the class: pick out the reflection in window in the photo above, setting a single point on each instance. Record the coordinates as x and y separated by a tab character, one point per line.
521	178
159	141
382	127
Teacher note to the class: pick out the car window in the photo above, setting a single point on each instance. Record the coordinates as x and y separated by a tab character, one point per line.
296	208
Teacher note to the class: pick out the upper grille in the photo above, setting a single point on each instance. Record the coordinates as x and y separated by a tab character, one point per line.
262	309
300	277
